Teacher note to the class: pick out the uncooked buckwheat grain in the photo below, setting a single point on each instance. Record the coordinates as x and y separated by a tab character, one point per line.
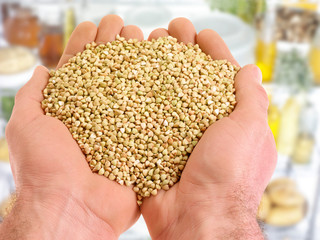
137	109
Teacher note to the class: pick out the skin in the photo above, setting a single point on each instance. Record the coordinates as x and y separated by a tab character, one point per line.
216	198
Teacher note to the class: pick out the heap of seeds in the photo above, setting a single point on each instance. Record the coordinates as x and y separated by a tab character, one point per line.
137	109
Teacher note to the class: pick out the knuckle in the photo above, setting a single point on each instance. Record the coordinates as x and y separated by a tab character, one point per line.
9	129
19	94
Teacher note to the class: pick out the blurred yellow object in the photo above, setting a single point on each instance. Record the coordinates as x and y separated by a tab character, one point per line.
303	4
282	204
69	25
289	127
7	205
285	216
15	59
315	63
274	120
264	207
281	183
265	58
303	149
286	197
4	152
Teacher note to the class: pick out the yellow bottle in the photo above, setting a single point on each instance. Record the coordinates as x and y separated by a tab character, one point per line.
69	24
303	149
315	63
274	120
314	57
266	45
289	126
265	57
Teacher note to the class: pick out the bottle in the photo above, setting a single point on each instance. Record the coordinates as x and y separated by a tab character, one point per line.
274	119
289	125
51	37
69	22
266	45
306	138
314	57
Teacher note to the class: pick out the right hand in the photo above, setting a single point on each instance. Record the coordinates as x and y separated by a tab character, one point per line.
57	191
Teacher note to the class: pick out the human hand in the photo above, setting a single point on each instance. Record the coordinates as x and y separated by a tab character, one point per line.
58	195
220	188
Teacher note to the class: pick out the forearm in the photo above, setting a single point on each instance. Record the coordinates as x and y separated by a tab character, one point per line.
57	218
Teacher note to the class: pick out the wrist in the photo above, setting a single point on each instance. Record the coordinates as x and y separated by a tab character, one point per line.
214	215
205	223
53	216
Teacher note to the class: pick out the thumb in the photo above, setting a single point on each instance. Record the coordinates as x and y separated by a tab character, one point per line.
28	99
252	100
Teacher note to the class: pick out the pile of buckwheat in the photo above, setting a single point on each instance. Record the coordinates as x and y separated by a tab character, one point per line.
137	109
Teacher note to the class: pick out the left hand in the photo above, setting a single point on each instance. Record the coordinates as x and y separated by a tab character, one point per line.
220	188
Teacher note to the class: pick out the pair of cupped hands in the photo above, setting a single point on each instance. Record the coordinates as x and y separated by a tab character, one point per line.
220	188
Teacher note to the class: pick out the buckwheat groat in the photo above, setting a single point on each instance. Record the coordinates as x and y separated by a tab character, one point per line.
137	109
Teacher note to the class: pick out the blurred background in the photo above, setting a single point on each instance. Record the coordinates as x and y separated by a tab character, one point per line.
281	36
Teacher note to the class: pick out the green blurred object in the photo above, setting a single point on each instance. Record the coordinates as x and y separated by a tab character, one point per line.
292	70
245	9
7	103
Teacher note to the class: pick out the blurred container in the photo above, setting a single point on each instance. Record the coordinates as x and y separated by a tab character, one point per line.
238	35
274	116
296	24
306	138
314	57
69	21
245	9
16	67
8	9
4	151
292	69
296	21
148	15
21	26
289	126
51	37
266	45
282	204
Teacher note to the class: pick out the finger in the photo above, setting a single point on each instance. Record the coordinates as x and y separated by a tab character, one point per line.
131	32
110	26
157	33
252	99
84	33
183	30
212	44
29	97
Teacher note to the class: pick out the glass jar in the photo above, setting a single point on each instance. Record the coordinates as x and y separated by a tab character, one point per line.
21	26
51	36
